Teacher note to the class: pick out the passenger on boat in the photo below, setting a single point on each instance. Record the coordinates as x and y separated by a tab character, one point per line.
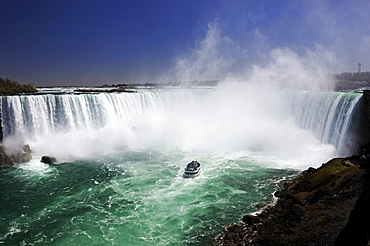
194	164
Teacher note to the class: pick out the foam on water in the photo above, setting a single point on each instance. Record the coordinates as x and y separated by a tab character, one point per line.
121	159
230	118
133	198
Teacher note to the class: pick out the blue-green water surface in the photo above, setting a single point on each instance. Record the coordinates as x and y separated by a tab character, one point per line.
132	198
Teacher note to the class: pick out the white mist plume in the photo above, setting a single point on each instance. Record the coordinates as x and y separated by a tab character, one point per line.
340	26
219	57
244	112
235	116
213	58
240	116
289	70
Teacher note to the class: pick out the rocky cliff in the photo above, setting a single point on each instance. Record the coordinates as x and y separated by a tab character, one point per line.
10	158
324	206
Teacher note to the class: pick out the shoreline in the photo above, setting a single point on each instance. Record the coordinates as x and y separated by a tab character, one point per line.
323	206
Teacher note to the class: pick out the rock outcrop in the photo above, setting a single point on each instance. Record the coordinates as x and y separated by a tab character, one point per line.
324	206
48	159
10	158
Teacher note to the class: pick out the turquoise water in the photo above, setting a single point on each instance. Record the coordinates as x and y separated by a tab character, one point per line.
122	155
133	198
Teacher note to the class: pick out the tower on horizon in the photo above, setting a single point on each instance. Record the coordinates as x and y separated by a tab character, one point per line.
359	67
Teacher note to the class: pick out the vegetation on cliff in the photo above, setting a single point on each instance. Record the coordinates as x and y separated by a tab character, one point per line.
8	87
352	77
349	81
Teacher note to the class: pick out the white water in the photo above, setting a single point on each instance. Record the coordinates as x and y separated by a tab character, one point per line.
247	140
334	118
297	128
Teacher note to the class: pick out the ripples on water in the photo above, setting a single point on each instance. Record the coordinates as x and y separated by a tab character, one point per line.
138	196
131	198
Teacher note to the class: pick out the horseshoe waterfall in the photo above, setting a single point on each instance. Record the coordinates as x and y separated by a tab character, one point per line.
120	159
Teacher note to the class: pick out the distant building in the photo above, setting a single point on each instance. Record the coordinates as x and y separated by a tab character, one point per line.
359	67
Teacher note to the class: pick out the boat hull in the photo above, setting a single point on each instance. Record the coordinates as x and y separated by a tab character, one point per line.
192	173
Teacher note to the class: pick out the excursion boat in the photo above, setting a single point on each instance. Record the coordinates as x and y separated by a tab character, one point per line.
192	169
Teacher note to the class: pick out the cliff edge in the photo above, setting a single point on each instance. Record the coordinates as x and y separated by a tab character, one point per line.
324	206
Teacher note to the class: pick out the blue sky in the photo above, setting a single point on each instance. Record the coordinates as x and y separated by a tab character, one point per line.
99	42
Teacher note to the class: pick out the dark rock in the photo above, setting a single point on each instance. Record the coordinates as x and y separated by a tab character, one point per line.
250	219
258	205
357	231
322	206
48	159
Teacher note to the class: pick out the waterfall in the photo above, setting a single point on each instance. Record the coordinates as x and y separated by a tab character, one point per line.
73	121
334	117
84	124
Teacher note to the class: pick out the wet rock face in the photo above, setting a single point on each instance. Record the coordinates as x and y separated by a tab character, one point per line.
48	159
366	98
10	158
312	209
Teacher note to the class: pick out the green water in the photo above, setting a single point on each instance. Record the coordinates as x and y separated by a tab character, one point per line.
133	198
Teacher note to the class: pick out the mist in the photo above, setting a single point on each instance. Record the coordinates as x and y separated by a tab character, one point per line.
235	117
246	111
219	57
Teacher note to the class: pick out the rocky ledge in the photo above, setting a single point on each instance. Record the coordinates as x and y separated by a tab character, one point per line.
329	205
10	158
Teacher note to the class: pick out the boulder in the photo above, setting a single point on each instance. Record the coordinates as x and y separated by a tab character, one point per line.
10	158
251	219
48	159
26	148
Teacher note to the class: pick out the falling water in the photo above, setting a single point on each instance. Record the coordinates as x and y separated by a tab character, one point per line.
118	180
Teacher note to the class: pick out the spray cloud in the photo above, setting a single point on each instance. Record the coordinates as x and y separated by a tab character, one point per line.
219	57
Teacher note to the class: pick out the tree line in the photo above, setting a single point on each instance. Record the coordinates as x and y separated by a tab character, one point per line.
8	86
352	77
